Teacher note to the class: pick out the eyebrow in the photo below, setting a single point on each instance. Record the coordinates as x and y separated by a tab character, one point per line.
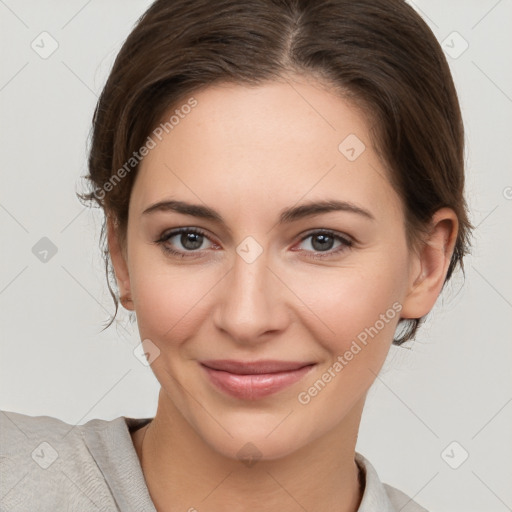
287	215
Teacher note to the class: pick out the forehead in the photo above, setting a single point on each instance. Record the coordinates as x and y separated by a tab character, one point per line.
242	145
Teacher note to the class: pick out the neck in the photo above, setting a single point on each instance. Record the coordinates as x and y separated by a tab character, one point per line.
182	472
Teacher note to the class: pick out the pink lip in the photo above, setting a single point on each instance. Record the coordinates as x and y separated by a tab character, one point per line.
253	380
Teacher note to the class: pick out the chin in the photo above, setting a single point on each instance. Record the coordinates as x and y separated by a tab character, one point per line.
252	436
250	449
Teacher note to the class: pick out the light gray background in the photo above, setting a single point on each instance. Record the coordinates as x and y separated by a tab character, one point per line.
454	382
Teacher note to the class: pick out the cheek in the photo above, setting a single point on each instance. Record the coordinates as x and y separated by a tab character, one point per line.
170	303
362	306
350	304
169	298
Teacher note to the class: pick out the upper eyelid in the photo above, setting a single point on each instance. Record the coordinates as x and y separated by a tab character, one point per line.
326	231
166	235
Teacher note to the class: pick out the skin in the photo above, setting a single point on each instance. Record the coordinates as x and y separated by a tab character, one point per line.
248	153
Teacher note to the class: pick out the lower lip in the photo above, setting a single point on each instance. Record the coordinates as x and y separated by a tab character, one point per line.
254	386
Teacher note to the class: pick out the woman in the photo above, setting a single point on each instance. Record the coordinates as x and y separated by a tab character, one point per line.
282	183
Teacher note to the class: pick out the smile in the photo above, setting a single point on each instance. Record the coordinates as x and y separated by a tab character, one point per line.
254	380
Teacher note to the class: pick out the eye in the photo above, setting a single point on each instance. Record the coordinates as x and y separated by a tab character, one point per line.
323	241
191	241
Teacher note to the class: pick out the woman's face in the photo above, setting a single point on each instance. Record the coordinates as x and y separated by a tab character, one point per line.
269	277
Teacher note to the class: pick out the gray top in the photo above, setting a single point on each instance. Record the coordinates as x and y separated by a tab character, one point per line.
49	465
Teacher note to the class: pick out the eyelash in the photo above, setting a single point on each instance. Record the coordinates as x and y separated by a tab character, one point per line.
346	243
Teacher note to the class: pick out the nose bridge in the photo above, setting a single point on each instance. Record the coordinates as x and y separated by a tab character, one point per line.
251	304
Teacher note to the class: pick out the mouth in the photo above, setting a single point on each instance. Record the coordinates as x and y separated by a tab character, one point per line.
253	380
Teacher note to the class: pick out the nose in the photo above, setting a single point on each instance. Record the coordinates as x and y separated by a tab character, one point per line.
251	306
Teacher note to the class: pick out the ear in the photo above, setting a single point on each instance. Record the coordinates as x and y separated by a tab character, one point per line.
430	265
119	262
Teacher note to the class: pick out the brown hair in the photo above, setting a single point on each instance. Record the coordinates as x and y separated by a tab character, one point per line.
379	53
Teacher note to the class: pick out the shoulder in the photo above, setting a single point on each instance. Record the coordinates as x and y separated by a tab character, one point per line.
20	431
15	424
401	501
46	461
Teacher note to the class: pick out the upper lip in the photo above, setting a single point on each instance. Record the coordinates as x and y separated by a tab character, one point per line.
254	367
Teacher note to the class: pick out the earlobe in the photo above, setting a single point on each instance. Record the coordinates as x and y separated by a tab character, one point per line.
431	265
119	263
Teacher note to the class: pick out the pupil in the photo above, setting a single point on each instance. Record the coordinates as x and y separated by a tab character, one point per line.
325	240
191	240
